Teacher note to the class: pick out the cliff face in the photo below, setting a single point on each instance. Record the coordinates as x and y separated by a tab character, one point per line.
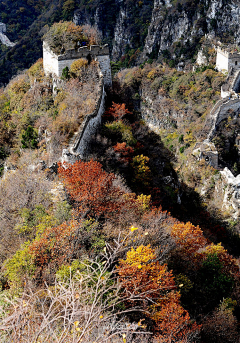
123	23
157	26
134	30
179	26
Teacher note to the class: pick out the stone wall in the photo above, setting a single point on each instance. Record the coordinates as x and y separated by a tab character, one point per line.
104	63
232	104
220	112
222	60
90	125
55	64
50	61
227	60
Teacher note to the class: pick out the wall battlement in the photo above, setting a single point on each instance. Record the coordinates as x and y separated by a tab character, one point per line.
227	59
54	64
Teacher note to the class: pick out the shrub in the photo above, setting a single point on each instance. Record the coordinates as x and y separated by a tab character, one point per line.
119	128
77	67
65	73
29	138
36	71
64	34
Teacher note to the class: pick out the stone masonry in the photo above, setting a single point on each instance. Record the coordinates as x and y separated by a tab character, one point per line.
54	64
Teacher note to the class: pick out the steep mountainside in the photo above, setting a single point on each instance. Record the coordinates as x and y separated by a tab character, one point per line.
135	31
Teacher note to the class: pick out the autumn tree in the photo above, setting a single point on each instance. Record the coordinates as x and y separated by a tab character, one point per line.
78	66
117	111
124	151
92	189
64	34
173	323
141	274
144	279
189	238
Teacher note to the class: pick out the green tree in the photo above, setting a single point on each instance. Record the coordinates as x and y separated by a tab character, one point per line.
29	138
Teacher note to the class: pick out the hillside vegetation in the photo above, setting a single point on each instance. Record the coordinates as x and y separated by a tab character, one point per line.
93	253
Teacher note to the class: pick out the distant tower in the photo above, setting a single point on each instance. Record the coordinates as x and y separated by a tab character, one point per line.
227	59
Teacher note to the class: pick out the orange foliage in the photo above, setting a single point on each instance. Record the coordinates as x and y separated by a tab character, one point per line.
125	151
92	188
173	323
117	111
140	275
55	246
189	238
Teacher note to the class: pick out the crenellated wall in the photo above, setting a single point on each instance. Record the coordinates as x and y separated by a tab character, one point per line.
54	64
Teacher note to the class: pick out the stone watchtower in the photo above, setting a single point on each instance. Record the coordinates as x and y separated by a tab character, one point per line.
227	59
54	64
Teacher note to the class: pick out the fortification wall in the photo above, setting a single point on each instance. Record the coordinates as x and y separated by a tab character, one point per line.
236	82
55	64
222	61
234	61
3	28
90	124
50	61
222	113
104	63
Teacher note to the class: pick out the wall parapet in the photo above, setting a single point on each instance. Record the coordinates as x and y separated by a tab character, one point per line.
54	64
84	51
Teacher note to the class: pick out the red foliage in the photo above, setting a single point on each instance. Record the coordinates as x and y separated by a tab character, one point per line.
92	188
117	111
125	152
173	323
54	247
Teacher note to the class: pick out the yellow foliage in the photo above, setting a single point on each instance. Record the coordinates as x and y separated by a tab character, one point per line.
144	201
215	249
142	255
189	138
78	66
36	72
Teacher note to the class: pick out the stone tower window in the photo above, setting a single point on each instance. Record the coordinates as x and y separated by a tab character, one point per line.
236	63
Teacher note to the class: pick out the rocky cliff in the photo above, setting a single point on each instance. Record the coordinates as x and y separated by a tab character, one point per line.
172	29
135	31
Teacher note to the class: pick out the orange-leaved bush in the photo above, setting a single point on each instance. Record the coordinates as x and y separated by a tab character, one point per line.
189	238
126	152
92	188
173	323
117	111
144	279
141	275
55	246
